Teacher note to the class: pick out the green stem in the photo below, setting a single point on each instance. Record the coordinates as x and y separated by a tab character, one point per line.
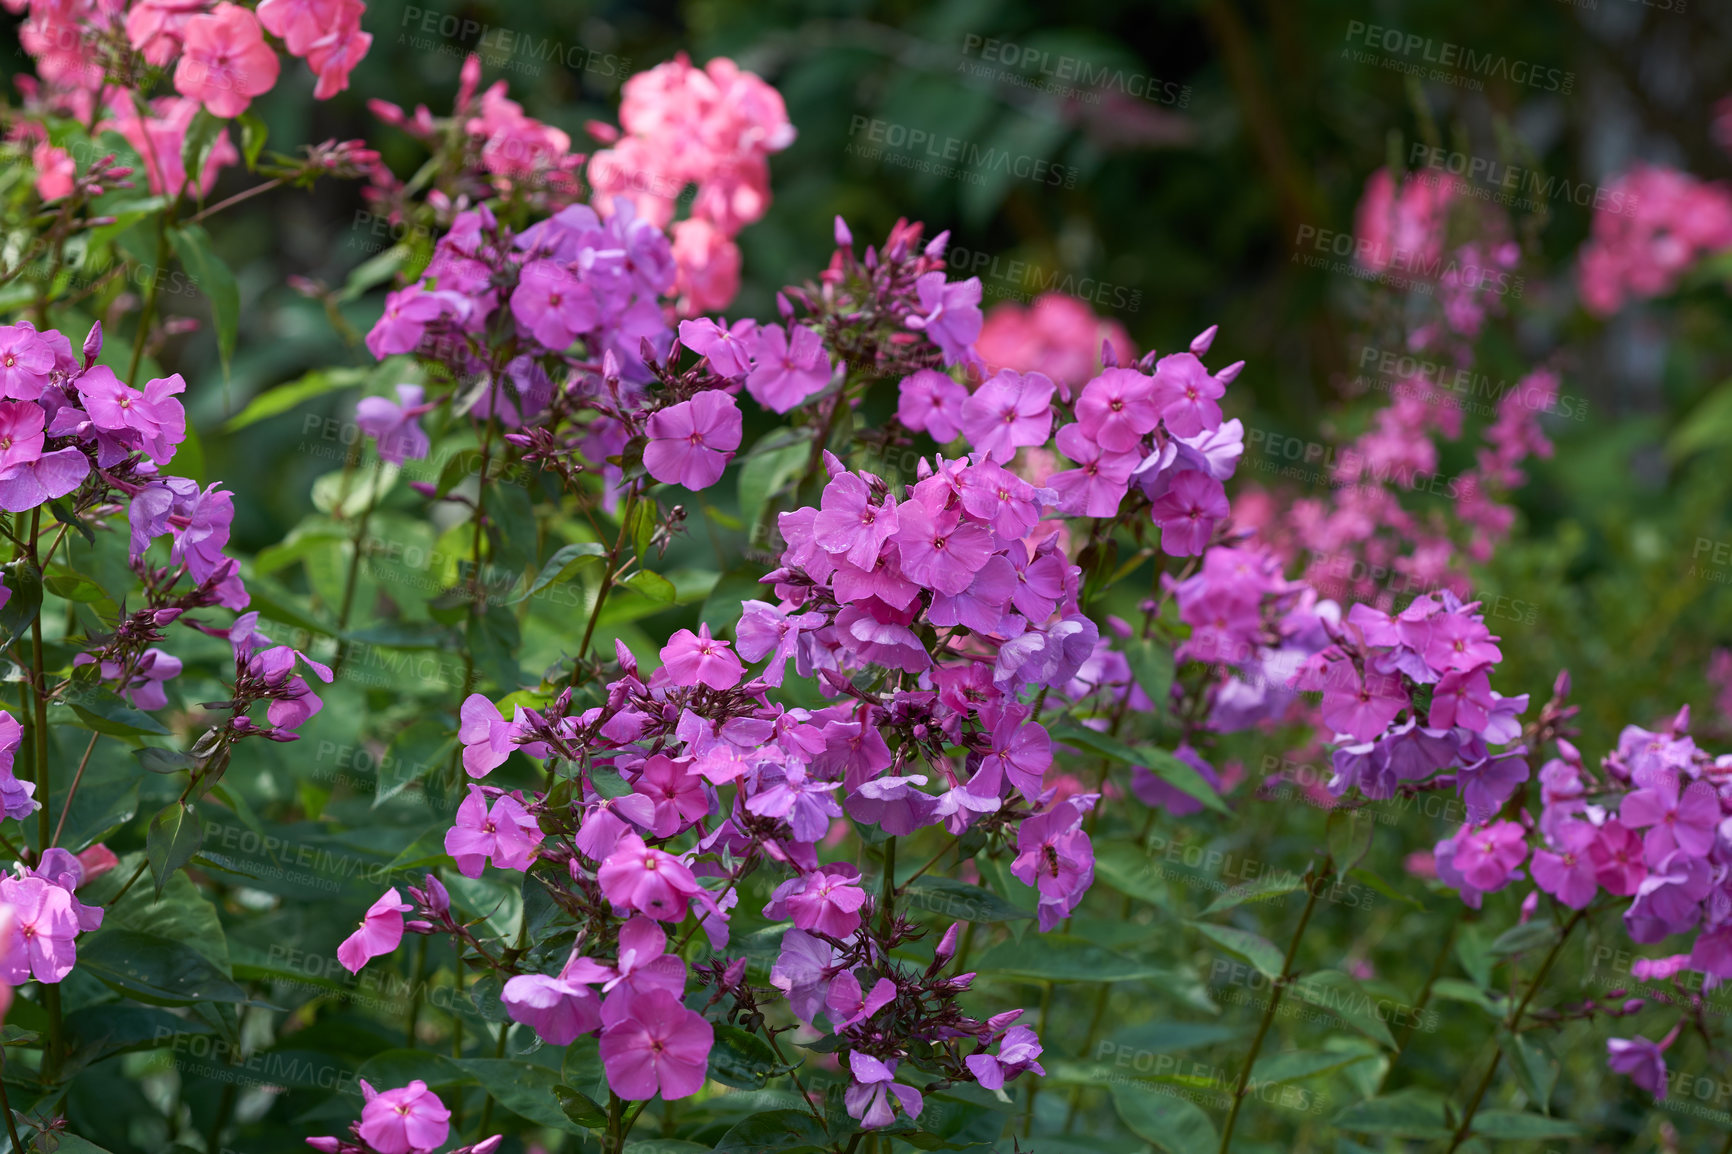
6	1108
1316	880
487	1107
1511	1024
887	904
1406	1038
415	992
147	314
71	793
606	582
353	578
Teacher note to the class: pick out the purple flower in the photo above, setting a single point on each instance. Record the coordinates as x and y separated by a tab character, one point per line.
786	369
25	362
403	1121
1487	856
692	442
729	351
1642	1061
557	1009
851	523
1010	410
201	527
660	1047
1018	1050
1680	821
45	479
803	971
381	932
506	834
1487	784
44	927
397	427
868	1098
931	402
1567	872
553	305
1054	856
951	316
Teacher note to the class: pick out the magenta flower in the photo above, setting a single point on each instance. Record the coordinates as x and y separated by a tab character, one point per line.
1456	641
21	433
803	971
404	322
397	427
557	1009
381	932
692	442
660	1048
1642	1061
1099	483
1487	856
1054	856
1018	1050
1567	872
729	351
1188	512
45	479
152	419
44	928
787	369
1463	699
1683	821
201	526
951	315
677	794
827	900
1009	411
1362	708
649	880
1021	751
851	523
766	630
25	362
938	550
404	1121
930	402
867	1099
693	658
1617	857
553	305
1117	410
487	738
506	834
1187	394
848	1007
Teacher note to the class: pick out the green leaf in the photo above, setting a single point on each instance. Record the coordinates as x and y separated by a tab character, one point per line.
645	515
1404	1114
1131	871
105	711
201	137
1062	958
165	760
1522	938
373	271
652	585
772	1130
1376	882
1152	666
762	475
1349	832
607	782
1160	762
24	581
253	135
562	566
1272	885
193	245
1534	1066
1298	1065
1254	948
154	970
1342	996
419	748
1172	1123
525	1089
580	1108
74	587
1708	426
957	901
284	397
174	836
742	1059
1515	1126
1456	990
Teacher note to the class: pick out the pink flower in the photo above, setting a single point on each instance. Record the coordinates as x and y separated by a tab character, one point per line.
156	27
678	795
1683	821
225	61
827	900
21	433
790	365
868	1097
553	305
709	266
1187	394
951	319
691	442
1188	513
559	1010
1617	858
1098	487
938	550
931	402
693	658
851	523
1642	1061
1487	856
1117	409
1567	873
660	1048
45	479
25	362
44	927
639	877
381	932
729	351
404	1121
1009	411
506	834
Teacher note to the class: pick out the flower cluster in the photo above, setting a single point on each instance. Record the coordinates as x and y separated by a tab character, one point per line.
712	127
1672	221
1057	336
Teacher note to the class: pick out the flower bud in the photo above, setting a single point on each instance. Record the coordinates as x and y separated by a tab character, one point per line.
485	1146
1003	1021
419	927
936	246
1200	344
328	1145
947	944
1231	373
1634	1005
97	860
844	238
736	971
92	344
1109	356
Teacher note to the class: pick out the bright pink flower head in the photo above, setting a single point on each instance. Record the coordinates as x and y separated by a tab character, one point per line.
1487	856
950	317
697	658
931	402
409	1120
381	932
557	1009
790	365
505	834
1187	394
1188	512
691	443
1118	409
25	362
645	879
225	61
1058	335
44	926
1007	412
660	1047
397	427
709	267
